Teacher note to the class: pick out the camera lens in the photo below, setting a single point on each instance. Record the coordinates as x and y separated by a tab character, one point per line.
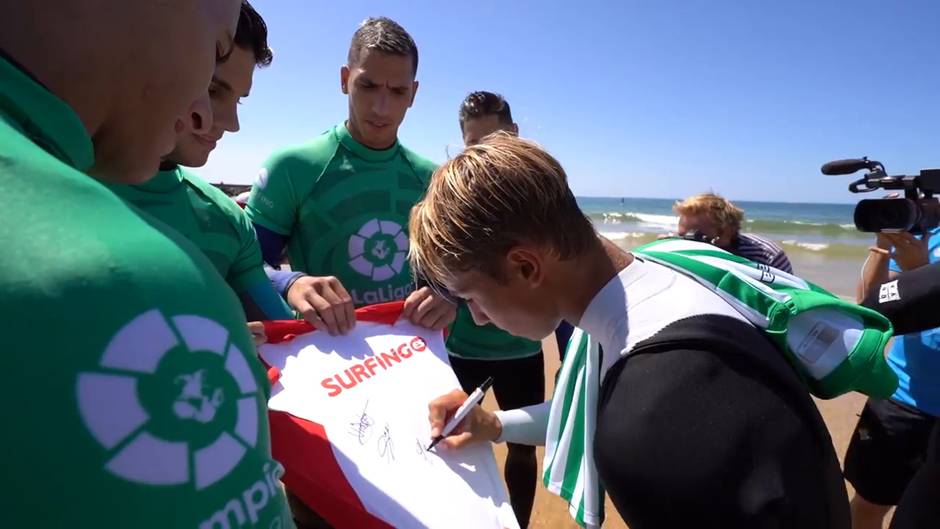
886	214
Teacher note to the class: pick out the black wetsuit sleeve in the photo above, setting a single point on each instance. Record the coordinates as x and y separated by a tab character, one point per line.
910	301
691	438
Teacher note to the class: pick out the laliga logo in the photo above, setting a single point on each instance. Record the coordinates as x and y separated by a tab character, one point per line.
152	407
378	250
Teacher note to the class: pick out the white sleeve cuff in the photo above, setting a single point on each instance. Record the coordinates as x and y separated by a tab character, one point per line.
525	426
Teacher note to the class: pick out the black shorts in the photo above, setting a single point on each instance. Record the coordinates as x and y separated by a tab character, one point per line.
919	507
516	383
888	446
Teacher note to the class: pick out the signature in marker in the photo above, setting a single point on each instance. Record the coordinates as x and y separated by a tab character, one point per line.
386	445
421	450
361	427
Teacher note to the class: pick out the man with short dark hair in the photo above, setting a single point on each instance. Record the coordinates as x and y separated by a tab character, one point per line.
200	211
483	113
477	352
340	202
135	397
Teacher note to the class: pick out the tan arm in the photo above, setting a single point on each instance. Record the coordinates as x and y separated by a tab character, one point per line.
875	269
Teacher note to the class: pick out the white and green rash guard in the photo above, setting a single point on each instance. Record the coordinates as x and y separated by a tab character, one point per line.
636	304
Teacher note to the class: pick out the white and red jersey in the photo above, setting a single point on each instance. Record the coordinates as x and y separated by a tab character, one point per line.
242	199
349	423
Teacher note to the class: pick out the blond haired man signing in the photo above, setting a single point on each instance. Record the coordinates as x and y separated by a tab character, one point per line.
719	221
698	421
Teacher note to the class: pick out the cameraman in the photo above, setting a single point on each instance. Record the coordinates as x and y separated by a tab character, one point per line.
891	440
719	221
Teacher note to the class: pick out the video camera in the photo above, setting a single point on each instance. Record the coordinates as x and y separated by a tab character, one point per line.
916	213
697	236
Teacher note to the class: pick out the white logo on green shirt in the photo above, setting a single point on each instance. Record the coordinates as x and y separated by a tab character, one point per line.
378	250
194	401
173	401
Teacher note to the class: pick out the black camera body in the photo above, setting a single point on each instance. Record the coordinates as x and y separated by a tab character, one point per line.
697	236
917	212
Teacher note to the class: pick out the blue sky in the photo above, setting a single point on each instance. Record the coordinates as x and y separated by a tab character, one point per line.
635	98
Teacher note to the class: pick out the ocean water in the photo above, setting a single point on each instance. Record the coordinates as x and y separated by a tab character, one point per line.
820	239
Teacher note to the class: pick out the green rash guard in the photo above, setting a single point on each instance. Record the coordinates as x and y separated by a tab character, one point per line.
344	210
218	227
487	342
134	396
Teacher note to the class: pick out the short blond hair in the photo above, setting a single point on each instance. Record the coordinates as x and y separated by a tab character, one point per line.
488	199
717	208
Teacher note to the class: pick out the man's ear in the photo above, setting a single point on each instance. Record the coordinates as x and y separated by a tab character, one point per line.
526	265
344	79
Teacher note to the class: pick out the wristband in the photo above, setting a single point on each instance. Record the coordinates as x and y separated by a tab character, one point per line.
290	282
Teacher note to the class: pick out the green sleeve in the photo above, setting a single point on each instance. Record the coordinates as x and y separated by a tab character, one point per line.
247	278
285	181
273	202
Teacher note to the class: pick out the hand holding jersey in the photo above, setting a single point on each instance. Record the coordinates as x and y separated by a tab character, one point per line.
324	303
426	309
256	328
